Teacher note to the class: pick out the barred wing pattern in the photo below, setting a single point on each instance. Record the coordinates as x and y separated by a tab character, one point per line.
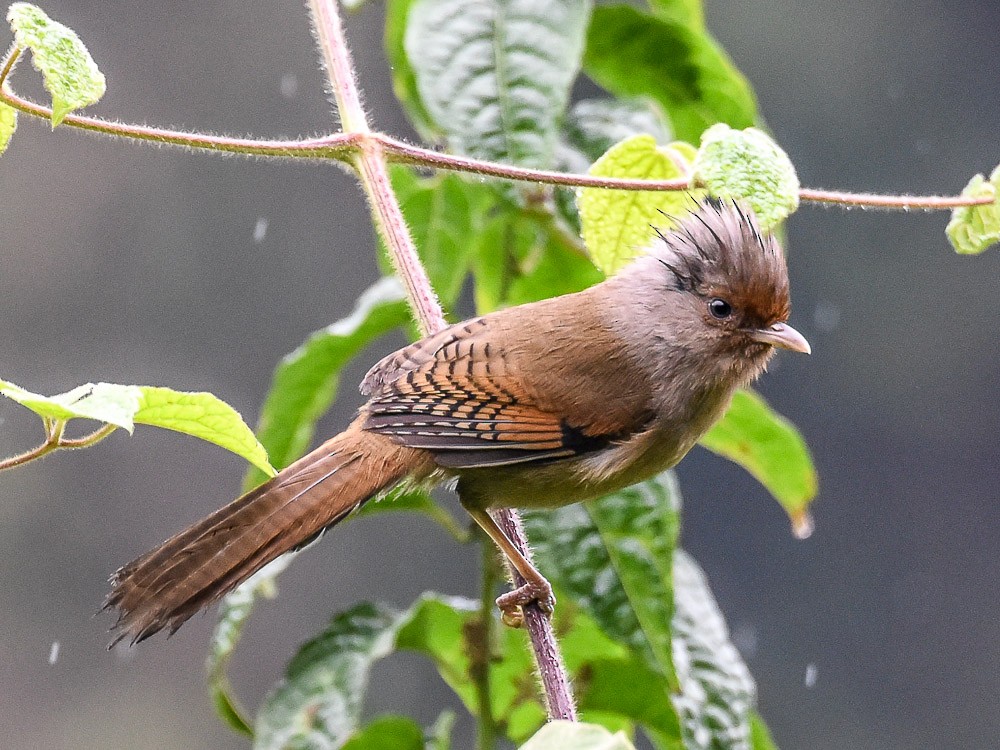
457	395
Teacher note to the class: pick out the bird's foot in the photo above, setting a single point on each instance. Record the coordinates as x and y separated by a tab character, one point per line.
510	604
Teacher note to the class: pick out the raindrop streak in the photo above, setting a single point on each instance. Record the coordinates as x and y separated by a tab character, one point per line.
826	316
54	653
260	230
812	673
289	85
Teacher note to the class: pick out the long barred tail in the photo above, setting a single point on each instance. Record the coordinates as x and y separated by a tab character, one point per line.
167	585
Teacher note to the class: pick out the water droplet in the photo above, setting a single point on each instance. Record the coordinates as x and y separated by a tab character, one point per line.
812	674
803	524
260	230
289	85
826	316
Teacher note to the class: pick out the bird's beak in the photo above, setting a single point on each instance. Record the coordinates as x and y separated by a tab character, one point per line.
784	336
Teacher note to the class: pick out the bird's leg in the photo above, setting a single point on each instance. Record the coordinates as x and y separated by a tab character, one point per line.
534	589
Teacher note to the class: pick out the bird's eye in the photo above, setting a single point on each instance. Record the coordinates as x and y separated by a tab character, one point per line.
720	308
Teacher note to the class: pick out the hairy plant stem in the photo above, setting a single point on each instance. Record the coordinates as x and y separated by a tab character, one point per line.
370	163
54	440
348	146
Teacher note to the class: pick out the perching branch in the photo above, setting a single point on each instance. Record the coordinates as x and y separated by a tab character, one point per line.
370	163
349	146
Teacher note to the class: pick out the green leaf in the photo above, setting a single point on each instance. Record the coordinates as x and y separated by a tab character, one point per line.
521	259
388	733
760	736
318	704
592	127
563	735
614	558
748	164
445	213
972	229
70	73
404	81
305	382
595	125
688	12
614	685
414	500
204	416
8	124
717	692
496	76
618	224
547	267
105	402
671	60
448	631
234	611
199	414
439	733
771	448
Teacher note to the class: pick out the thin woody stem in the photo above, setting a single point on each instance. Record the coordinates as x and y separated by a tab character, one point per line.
348	145
54	441
371	165
890	202
338	146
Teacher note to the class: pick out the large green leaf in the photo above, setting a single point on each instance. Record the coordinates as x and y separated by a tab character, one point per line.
204	416
201	415
521	259
388	733
448	630
671	60
404	81
614	558
446	214
760	736
688	12
618	224
614	684
319	702
592	126
772	449
717	692
495	75
563	735
71	76
305	382
234	611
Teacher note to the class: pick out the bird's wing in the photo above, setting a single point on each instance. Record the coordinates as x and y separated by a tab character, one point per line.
460	394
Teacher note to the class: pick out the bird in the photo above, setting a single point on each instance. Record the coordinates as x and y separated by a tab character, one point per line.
534	406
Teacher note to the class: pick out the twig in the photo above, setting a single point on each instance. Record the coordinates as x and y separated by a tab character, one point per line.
350	145
54	441
371	164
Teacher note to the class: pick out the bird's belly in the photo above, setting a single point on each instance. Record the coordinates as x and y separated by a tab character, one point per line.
564	482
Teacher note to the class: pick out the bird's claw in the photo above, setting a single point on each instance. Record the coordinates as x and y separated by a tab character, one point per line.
511	603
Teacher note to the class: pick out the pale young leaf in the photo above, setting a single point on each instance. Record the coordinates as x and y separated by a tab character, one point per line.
748	164
70	73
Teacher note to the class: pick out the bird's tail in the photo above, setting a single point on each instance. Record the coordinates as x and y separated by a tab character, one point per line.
167	585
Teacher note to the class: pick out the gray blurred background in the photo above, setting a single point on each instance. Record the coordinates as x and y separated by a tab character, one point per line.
133	264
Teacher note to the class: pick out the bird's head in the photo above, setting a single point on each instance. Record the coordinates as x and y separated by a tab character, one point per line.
727	283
